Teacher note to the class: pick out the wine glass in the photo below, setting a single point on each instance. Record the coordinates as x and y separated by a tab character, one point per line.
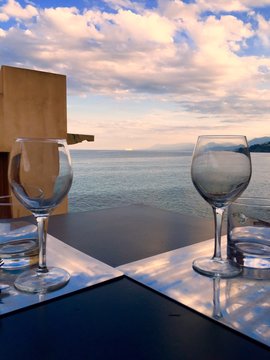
220	171
40	176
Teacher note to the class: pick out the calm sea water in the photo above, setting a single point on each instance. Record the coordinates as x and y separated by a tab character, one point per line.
107	179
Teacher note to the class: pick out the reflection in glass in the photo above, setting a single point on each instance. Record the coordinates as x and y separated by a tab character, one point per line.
40	177
220	171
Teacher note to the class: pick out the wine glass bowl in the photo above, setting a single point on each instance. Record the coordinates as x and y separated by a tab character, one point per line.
220	171
40	176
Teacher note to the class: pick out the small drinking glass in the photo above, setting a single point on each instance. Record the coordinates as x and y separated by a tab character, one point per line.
249	236
220	171
40	176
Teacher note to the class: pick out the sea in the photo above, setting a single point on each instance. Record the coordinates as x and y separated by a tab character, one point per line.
109	179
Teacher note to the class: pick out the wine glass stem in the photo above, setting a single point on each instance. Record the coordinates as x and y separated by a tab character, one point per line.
42	223
218	214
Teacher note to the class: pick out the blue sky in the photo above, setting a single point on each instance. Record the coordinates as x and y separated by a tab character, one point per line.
149	72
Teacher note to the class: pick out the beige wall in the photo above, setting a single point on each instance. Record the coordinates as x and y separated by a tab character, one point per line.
32	104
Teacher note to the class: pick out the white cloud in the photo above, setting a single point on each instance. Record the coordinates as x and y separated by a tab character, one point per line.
222	5
13	9
3	17
257	3
216	41
67	22
2	33
264	30
147	27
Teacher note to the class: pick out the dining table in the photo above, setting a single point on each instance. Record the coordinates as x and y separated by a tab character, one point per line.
122	318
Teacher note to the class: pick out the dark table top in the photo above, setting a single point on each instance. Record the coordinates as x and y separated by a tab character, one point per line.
122	319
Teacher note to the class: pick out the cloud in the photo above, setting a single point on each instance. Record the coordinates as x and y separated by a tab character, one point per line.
175	53
67	23
125	4
147	27
263	31
13	9
2	33
221	5
3	17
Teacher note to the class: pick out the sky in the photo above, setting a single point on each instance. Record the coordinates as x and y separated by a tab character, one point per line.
147	72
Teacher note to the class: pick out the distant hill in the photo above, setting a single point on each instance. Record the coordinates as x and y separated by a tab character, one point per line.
258	141
260	148
261	144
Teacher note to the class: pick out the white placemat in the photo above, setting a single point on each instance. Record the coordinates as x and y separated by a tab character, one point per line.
85	271
239	303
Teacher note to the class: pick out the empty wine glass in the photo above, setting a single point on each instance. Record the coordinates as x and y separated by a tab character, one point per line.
40	176
220	171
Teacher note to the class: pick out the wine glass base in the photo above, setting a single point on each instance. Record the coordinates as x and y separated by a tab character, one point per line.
213	267
33	282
